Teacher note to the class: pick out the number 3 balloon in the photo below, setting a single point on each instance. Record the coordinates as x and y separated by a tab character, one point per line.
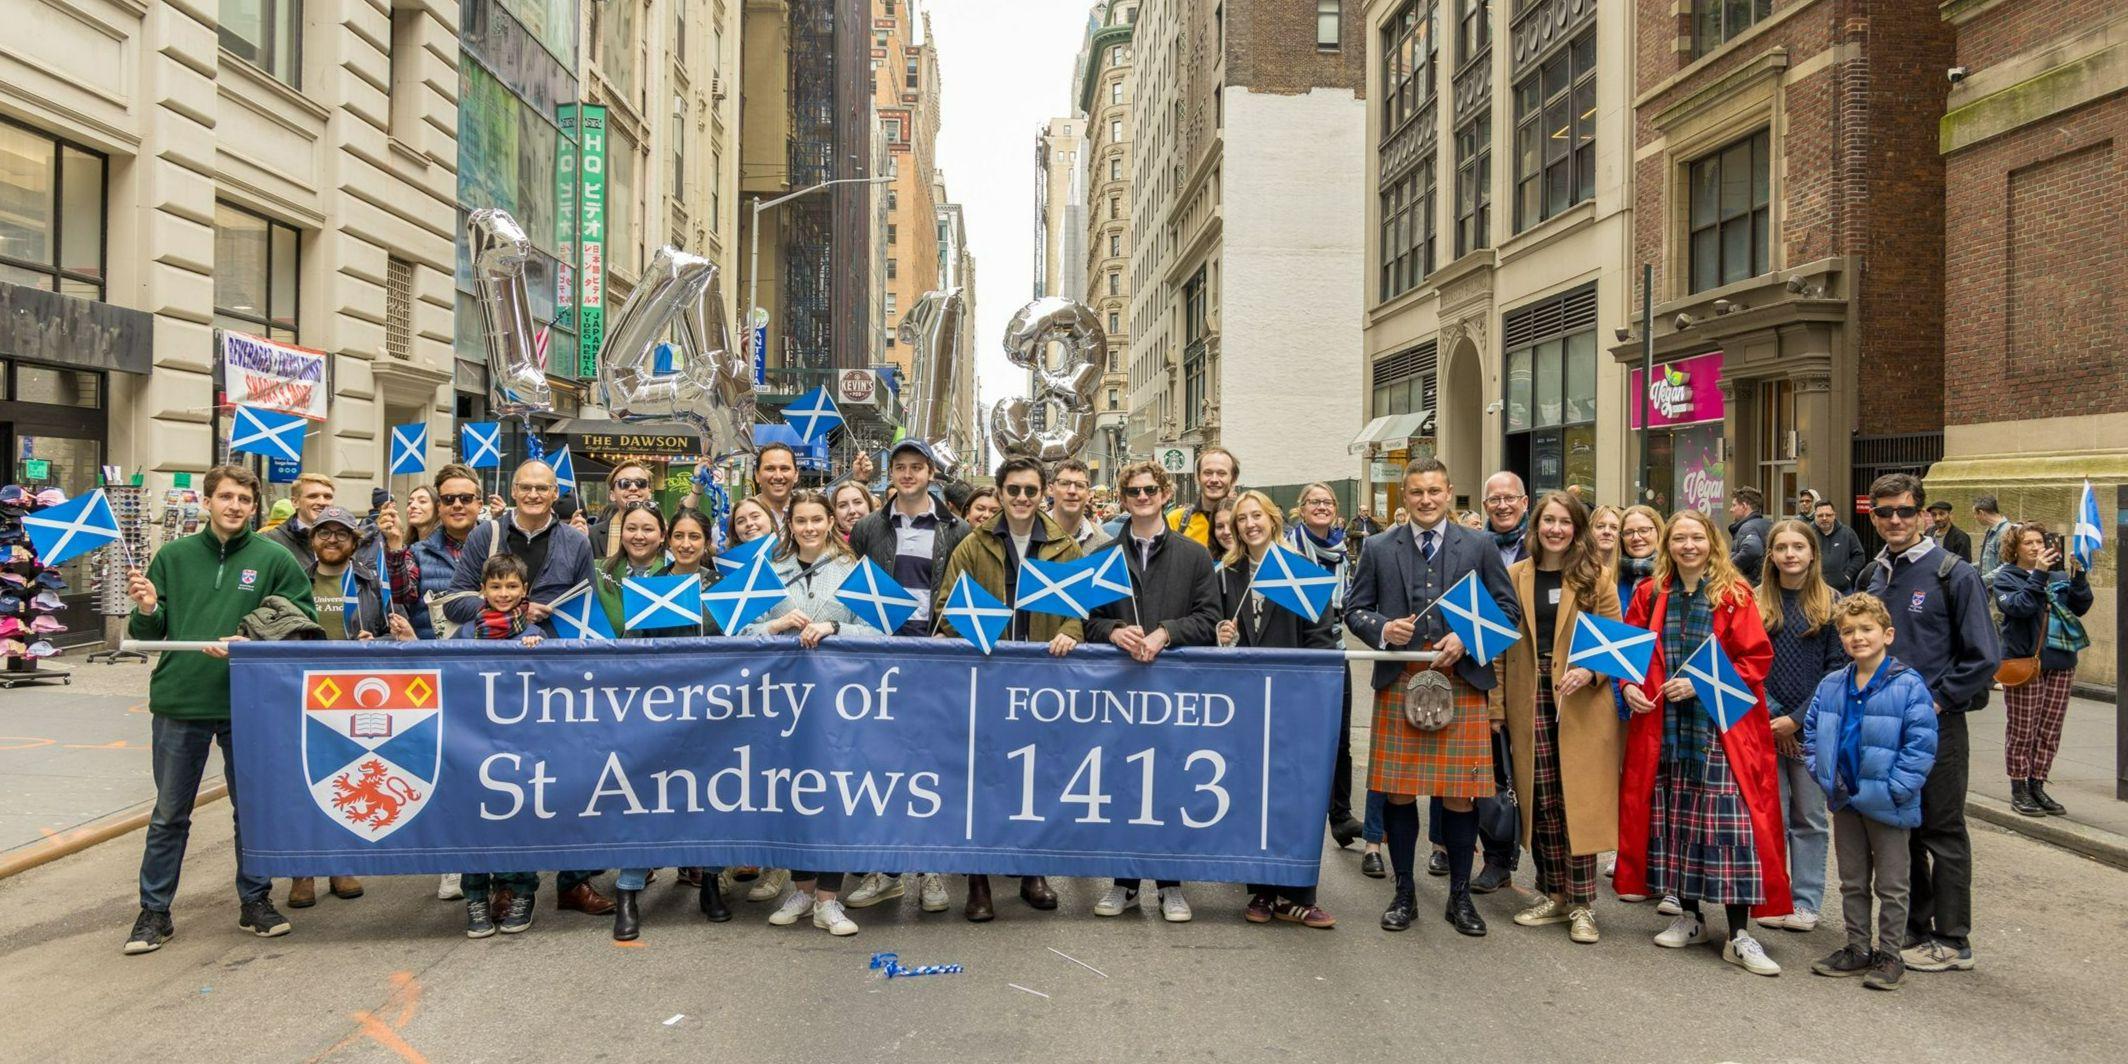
1067	391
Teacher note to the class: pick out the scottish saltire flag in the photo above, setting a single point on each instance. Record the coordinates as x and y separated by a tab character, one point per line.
813	415
59	533
1722	693
350	601
2089	536
1294	582
410	449
1611	648
480	444
873	595
1471	613
1053	587
535	451
564	471
257	430
739	557
578	615
739	599
661	601
1107	578
977	615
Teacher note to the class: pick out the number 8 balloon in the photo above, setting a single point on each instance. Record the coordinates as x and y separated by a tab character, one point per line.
1067	391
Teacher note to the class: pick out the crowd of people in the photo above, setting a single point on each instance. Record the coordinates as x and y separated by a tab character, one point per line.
1863	670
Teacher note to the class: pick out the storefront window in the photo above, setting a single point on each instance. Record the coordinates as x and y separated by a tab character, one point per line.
1518	390
51	214
1550	404
256	268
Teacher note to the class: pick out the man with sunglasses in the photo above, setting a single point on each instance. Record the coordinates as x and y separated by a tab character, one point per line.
424	570
628	483
1940	611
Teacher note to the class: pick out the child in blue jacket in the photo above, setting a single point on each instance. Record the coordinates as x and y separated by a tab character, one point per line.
1869	738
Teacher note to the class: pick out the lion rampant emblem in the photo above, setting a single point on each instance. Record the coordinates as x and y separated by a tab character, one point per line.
374	797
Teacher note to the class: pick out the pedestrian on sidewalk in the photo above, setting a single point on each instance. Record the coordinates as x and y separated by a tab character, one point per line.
1796	606
1840	554
2042	628
1989	513
200	588
1317	536
1870	739
1951	641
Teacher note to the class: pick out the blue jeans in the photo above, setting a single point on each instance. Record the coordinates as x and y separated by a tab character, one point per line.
638	878
1371	828
178	755
1803	809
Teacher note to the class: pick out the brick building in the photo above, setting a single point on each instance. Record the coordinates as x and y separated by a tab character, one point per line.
1789	195
2035	148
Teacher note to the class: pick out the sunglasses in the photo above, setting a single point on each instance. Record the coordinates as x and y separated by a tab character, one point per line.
632	482
1022	491
1903	513
458	498
1144	492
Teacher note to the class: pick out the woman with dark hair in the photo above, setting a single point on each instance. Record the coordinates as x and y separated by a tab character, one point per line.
852	504
1639	534
420	513
640	527
2042	609
983	507
1564	736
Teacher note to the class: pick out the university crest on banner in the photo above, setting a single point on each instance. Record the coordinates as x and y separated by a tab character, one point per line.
372	745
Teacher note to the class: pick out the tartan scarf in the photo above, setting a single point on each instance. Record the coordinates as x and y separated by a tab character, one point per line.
1687	622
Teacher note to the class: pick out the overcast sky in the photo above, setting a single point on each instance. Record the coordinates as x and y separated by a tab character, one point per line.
1006	67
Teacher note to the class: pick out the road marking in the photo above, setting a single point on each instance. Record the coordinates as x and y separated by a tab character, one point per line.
638	944
24	742
115	744
406	994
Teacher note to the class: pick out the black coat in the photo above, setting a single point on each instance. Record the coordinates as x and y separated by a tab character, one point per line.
1176	591
1386	587
1957	542
1274	625
1840	556
873	536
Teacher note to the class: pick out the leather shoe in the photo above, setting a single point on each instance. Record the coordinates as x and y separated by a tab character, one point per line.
1371	865
586	899
1463	916
979	909
1034	890
1437	863
345	887
627	924
1491	878
1398	916
1344	831
302	893
712	899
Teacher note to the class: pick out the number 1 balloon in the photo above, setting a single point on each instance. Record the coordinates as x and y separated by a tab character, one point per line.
932	330
499	251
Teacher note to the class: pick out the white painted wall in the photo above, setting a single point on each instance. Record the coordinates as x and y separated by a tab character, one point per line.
1292	283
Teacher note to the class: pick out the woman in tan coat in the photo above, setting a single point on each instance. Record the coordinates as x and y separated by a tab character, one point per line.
1564	735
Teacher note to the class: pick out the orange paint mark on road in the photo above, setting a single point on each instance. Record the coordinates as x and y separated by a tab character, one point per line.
406	996
115	744
24	742
632	945
141	707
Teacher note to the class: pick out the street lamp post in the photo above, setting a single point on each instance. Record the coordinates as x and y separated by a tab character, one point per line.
753	260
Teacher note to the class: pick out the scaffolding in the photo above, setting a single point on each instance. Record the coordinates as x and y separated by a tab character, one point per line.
808	222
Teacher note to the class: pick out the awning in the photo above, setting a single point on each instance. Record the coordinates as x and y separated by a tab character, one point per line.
1390	428
600	435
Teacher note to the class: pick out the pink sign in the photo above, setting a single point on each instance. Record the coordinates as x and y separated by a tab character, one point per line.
1686	392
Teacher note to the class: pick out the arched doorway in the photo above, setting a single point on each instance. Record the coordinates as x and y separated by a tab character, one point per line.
1460	413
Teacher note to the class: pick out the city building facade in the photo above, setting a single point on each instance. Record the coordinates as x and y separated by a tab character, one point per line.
906	92
1059	209
1103	98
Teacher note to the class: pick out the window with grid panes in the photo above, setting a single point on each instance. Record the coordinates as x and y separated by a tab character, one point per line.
1193	351
1474	28
398	308
1714	22
1728	217
1474	183
52	213
1549	412
257	264
1555	134
1408	54
266	33
1328	33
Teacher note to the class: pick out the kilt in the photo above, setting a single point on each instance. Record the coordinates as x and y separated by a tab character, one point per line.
1699	833
1455	762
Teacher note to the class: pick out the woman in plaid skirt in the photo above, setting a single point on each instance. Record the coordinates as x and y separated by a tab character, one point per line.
2041	611
1564	735
1699	806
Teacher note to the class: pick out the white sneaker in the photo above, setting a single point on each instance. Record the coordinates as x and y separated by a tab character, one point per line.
1746	953
769	885
1117	899
829	917
1631	898
447	888
932	895
1802	919
1668	906
875	888
1174	908
1684	930
797	905
1610	866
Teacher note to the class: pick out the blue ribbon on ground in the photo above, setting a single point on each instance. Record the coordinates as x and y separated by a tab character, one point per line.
386	759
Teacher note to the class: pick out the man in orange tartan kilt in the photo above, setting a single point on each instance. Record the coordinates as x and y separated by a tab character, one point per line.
1402	573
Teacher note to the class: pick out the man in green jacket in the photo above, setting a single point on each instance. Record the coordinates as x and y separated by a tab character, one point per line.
199	588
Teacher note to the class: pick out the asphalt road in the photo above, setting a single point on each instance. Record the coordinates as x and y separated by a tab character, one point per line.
390	977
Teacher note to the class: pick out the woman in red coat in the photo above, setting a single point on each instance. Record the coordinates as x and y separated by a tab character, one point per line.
1699	813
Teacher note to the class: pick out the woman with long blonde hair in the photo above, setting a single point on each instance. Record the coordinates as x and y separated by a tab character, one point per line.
1699	809
1795	604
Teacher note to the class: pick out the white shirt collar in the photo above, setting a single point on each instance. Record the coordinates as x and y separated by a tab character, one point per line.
1914	553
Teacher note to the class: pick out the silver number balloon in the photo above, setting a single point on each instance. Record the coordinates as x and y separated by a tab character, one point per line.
499	251
1066	390
709	386
932	331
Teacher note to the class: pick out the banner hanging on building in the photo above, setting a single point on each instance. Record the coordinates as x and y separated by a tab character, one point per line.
258	372
591	239
373	759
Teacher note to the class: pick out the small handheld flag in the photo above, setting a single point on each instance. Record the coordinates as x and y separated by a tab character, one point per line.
741	598
1476	619
1294	582
480	444
564	471
978	616
738	558
1052	588
1722	693
873	595
2089	536
1107	579
578	615
410	449
1612	648
257	430
661	601
813	415
350	601
59	533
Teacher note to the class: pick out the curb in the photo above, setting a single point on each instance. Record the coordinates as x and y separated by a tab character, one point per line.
103	829
2096	843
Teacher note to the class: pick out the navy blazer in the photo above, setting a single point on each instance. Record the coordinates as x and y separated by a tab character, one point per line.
1384	588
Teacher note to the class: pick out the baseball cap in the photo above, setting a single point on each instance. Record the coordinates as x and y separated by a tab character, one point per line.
44	623
11	627
14	579
334	515
10	604
50	578
11	648
16	495
919	446
51	497
41	649
47	601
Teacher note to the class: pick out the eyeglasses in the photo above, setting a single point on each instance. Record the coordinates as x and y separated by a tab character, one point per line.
458	498
632	482
1637	533
1021	491
1321	504
334	532
1903	513
1069	485
1502	500
534	489
1144	492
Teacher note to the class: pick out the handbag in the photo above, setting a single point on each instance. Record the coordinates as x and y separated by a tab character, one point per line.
2017	672
1429	701
1500	816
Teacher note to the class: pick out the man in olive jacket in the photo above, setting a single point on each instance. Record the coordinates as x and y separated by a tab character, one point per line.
991	556
199	588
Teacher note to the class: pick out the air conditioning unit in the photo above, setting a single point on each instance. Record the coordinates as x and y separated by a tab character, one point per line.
716	87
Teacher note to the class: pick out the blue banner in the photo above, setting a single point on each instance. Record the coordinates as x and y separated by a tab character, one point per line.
909	754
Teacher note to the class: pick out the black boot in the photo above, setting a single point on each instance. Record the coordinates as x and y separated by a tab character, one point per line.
626	923
1343	831
713	907
2040	797
2021	799
1463	916
1398	916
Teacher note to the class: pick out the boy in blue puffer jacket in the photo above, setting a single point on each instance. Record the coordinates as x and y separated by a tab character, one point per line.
1869	738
